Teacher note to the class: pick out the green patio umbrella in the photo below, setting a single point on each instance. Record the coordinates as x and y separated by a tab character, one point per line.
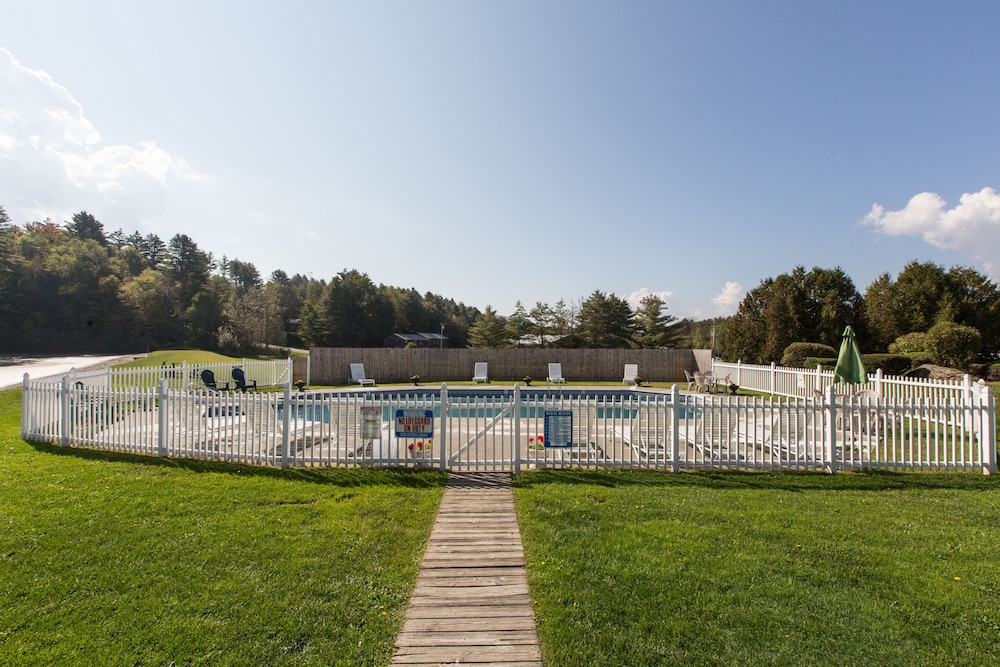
849	368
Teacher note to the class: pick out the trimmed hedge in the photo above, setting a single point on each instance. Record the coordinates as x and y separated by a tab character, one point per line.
826	362
795	355
891	364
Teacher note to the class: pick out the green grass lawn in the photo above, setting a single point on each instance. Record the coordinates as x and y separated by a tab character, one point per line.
637	568
117	560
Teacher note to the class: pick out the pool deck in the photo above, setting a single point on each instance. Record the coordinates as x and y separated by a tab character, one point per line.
471	603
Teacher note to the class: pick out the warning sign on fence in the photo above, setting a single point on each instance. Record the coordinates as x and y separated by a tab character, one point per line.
414	423
371	422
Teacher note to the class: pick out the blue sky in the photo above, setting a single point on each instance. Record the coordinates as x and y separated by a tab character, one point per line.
500	151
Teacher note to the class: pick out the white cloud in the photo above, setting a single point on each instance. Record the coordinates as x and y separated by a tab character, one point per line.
728	300
972	228
637	296
52	163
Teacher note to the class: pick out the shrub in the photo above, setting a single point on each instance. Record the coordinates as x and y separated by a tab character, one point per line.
954	345
911	342
825	362
796	353
890	364
920	358
993	373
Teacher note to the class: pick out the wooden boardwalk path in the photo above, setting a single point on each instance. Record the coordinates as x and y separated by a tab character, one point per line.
471	604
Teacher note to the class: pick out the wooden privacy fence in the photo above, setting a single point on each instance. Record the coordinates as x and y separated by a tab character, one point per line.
513	429
331	365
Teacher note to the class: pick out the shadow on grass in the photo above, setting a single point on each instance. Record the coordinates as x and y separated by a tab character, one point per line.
784	481
345	476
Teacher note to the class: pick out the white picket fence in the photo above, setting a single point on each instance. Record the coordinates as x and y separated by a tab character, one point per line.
806	382
515	429
267	373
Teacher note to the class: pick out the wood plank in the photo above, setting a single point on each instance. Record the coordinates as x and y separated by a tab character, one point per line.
442	550
472	559
481	594
438	600
468	581
475	571
468	612
466	638
465	655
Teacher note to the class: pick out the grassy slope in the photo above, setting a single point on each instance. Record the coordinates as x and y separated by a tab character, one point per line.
178	357
117	560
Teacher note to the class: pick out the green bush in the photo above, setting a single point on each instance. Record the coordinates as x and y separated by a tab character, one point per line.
795	354
826	362
954	345
911	342
890	364
919	358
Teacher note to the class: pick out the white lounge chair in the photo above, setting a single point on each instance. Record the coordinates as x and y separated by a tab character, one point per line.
555	375
358	375
480	374
631	373
648	435
690	379
711	435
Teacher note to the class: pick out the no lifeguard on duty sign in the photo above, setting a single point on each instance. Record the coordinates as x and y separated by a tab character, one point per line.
411	423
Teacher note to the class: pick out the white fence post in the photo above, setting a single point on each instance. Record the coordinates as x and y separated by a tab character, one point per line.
988	430
830	412
774	374
675	422
164	413
286	415
26	405
517	428
65	421
443	441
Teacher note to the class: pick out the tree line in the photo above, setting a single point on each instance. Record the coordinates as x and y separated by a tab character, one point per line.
925	305
72	287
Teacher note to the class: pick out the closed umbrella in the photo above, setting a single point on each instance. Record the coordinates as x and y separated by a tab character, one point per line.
849	368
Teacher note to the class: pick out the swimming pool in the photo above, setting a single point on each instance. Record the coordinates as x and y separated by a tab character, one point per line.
484	403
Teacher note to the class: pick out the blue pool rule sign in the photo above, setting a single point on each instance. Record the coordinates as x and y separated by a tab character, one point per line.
558	428
414	423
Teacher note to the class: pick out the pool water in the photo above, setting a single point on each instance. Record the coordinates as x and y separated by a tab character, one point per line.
489	404
310	412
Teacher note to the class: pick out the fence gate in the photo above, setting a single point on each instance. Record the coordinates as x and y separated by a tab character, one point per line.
483	431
